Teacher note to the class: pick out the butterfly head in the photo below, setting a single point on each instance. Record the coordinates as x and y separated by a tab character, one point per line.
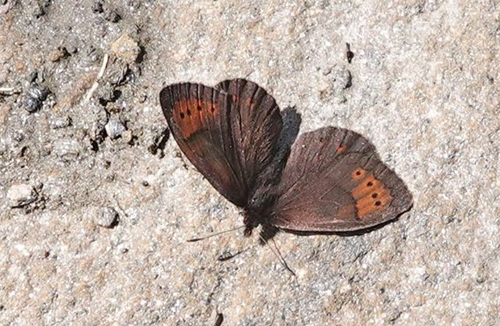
253	218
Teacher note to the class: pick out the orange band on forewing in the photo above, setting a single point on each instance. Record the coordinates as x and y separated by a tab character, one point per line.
189	115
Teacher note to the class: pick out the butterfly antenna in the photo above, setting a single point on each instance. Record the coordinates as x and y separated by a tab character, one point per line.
215	234
277	253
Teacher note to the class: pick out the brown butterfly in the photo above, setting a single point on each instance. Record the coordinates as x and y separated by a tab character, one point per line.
332	181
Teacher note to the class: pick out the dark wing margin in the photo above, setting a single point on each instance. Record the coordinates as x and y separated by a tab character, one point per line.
334	181
224	133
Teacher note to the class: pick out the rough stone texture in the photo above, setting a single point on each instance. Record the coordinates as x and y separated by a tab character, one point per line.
104	216
114	128
20	195
126	49
424	88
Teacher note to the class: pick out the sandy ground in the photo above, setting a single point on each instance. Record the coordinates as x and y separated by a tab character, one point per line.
96	200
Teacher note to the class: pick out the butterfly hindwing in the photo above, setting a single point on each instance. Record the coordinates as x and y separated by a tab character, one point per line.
335	181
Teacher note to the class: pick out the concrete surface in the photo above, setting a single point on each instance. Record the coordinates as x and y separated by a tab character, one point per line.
96	204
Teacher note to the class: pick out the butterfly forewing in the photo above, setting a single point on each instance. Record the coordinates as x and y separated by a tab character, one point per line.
334	181
229	134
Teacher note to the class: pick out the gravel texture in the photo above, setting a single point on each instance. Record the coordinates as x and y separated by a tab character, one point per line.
97	202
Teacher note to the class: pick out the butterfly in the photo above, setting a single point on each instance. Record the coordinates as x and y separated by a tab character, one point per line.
332	179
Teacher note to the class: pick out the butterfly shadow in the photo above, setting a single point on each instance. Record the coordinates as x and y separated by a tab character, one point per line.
291	126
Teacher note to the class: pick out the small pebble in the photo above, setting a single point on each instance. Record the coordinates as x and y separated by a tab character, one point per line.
92	54
123	249
115	128
18	136
58	54
340	99
72	49
142	97
128	137
34	97
119	74
60	122
41	8
20	195
107	217
112	16
126	48
38	11
342	79
68	149
97	7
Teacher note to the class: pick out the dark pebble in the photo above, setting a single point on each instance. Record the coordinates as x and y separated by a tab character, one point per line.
113	17
34	98
97	7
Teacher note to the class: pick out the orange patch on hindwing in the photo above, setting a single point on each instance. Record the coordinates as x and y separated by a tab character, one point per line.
370	194
358	174
190	115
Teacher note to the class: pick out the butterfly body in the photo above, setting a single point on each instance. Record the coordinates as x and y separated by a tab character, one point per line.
332	180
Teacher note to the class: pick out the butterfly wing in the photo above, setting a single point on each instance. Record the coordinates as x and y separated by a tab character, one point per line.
229	135
335	181
256	126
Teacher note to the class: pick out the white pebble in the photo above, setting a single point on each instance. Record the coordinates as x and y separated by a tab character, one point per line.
106	217
20	195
